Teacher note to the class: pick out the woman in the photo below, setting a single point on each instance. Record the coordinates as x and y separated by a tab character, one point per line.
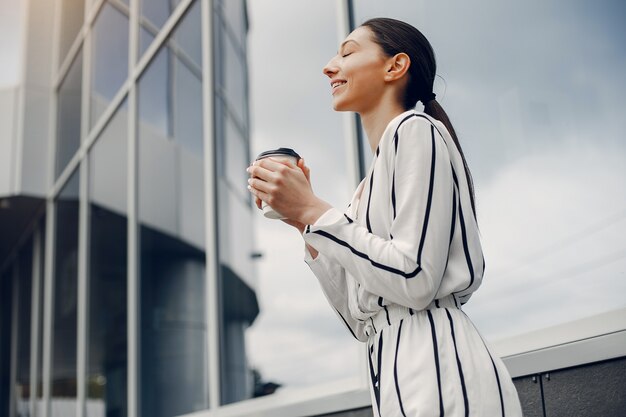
401	260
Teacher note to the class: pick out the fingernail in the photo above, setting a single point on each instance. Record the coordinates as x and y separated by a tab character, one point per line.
248	169
249	180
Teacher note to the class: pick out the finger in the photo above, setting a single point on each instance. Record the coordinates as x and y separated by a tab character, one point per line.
305	169
260	185
284	162
274	165
258	203
259	194
258	171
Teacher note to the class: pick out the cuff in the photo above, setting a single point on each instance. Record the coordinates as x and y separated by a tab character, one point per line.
331	217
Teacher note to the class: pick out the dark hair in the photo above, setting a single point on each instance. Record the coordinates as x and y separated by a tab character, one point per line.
394	37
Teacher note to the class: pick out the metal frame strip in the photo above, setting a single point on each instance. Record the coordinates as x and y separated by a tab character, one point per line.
132	246
14	335
34	316
210	194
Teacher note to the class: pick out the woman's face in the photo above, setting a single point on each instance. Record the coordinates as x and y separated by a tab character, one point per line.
357	72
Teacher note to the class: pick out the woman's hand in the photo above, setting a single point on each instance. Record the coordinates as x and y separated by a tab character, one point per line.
287	188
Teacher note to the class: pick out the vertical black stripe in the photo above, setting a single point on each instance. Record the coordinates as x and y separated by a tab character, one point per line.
495	370
395	369
346	323
436	353
379	360
369	199
483	273
373	327
468	258
380	303
387	314
393	193
498	381
453	222
454	178
347	218
437	303
458	364
430	196
374	381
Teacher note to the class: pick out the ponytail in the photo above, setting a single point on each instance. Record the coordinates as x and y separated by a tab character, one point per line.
434	109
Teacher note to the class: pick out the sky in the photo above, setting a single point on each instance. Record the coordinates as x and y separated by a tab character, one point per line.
10	41
535	91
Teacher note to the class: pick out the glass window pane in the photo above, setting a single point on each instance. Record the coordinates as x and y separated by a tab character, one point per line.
237	158
187	111
153	14
64	319
107	339
24	279
72	17
69	115
185	38
172	228
110	58
234	12
235	79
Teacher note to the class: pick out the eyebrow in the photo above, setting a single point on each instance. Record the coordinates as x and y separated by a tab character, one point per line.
345	42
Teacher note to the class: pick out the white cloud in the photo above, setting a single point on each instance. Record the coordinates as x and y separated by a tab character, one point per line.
553	227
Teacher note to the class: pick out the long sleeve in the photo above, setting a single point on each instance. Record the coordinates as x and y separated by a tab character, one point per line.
407	268
332	279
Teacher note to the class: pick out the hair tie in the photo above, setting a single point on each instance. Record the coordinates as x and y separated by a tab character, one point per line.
428	98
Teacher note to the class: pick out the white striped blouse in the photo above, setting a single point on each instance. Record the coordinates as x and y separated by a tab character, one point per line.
408	237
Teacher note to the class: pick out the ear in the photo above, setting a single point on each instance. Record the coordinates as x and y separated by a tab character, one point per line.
397	66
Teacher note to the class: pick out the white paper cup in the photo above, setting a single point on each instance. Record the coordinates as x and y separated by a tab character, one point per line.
281	154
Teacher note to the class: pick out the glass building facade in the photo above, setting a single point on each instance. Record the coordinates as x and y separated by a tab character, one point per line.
128	279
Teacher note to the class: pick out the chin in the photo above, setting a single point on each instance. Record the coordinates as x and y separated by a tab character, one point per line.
340	106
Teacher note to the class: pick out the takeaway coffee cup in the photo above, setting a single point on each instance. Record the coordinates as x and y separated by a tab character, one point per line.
282	154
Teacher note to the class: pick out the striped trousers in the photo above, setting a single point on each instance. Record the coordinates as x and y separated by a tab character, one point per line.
434	362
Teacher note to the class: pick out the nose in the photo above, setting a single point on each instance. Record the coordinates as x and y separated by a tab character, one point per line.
330	68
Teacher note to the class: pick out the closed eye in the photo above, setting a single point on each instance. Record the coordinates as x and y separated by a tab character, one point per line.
345	55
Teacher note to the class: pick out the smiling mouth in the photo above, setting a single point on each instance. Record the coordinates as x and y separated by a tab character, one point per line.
336	85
